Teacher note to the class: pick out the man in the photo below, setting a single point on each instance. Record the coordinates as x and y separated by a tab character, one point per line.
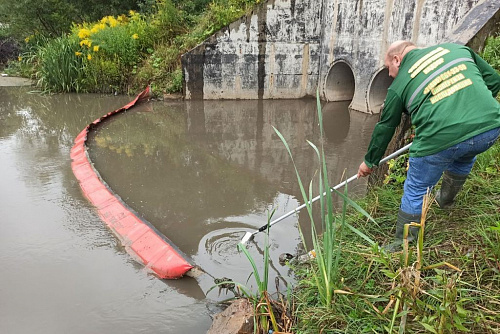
449	93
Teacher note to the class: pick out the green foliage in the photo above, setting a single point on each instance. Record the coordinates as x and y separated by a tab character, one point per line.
491	52
55	17
104	55
396	173
459	284
328	250
265	318
168	20
262	305
175	82
194	7
60	69
491	240
104	75
116	43
122	52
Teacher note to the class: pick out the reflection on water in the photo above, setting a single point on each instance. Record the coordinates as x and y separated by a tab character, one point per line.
205	172
62	270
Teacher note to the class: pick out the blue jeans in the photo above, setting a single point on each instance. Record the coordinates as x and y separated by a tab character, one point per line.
425	172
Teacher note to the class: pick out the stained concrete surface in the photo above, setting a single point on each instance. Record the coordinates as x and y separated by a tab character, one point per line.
7	81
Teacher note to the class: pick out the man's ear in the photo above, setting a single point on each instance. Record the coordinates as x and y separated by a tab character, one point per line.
398	60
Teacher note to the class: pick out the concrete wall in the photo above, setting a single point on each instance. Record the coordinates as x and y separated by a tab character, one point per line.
291	48
272	53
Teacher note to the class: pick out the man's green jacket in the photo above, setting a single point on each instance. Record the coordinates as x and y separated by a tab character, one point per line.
449	92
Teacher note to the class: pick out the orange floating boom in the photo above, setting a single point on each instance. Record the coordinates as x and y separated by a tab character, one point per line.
141	239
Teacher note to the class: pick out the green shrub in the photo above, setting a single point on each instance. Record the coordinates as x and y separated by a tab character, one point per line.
168	21
61	68
104	75
128	51
491	52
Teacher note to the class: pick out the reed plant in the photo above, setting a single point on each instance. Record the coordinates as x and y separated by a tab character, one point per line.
269	314
265	318
327	243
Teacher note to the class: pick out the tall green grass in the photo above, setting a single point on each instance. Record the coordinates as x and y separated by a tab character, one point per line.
264	313
449	282
60	68
327	243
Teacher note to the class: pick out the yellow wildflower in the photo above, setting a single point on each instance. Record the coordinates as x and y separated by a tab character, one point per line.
89	56
131	12
83	33
112	22
135	36
94	29
104	19
96	48
27	39
86	42
19	58
78	53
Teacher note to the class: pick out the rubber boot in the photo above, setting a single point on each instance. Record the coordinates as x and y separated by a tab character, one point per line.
451	185
403	219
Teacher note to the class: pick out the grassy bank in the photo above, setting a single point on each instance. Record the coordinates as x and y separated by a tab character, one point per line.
459	286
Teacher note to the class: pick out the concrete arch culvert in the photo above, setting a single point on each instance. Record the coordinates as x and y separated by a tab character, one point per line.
339	83
377	90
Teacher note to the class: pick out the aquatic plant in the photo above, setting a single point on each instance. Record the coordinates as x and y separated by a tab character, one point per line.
266	309
263	308
328	245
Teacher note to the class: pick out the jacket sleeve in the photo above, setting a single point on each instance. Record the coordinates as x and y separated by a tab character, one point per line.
385	128
490	76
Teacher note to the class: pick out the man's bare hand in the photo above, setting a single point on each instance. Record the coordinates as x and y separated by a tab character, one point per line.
364	170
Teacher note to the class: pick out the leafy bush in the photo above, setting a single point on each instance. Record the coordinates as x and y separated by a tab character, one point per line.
98	57
396	173
103	75
55	17
168	20
126	52
491	52
60	66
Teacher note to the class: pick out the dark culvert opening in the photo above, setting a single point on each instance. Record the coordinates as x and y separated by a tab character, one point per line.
378	90
339	85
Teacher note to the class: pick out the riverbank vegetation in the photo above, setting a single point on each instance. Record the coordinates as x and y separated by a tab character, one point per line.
136	43
448	282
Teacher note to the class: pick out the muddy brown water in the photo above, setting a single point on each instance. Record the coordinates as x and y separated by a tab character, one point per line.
203	173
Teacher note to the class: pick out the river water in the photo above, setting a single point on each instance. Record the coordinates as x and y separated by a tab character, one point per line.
202	172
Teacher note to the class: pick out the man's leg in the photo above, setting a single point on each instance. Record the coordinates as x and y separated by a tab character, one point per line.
455	175
423	173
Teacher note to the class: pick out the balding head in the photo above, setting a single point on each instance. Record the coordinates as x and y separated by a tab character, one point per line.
400	47
395	54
